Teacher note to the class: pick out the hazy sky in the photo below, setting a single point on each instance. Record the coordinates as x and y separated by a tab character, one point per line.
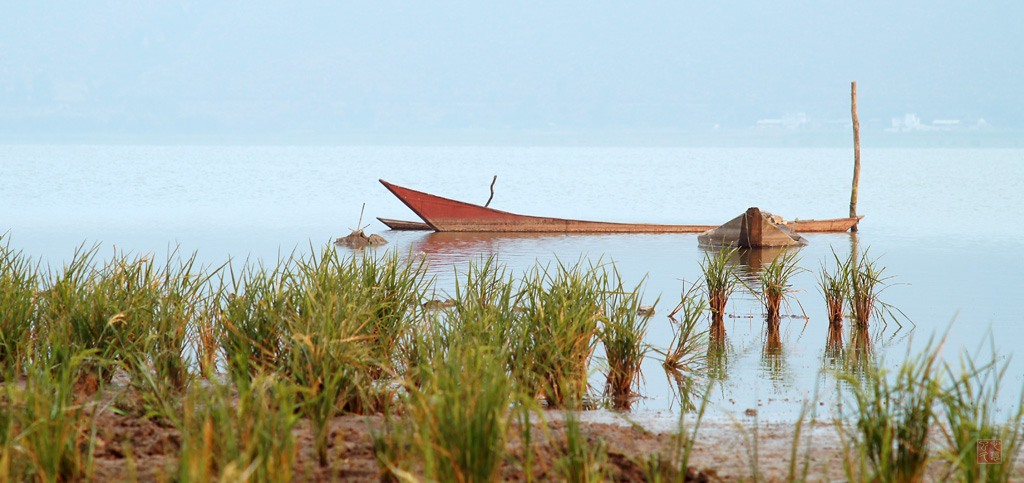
149	68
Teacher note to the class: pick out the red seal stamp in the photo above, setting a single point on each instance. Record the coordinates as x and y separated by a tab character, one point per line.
990	451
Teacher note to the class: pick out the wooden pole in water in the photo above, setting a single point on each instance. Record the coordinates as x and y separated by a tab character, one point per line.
856	154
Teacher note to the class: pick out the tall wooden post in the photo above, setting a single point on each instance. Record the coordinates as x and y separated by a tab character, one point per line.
856	154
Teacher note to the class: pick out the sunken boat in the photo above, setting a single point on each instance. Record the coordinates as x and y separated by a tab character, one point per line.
752	229
447	215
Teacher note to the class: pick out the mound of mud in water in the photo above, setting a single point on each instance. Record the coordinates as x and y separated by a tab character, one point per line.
359	239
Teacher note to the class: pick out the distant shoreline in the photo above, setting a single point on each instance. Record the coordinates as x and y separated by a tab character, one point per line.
711	138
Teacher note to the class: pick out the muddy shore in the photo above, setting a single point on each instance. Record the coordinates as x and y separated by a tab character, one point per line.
134	448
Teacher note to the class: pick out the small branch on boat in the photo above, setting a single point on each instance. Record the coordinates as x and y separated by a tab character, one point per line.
492	191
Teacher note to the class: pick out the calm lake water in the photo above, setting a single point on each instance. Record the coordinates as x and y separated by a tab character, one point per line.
946	224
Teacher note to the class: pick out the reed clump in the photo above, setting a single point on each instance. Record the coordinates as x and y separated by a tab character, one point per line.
866	284
19	280
835	288
581	460
327	359
561	314
104	311
900	416
394	288
971	432
894	414
457	420
467	369
46	428
252	320
487	308
338	342
684	352
185	297
776	283
720	282
247	439
623	334
233	358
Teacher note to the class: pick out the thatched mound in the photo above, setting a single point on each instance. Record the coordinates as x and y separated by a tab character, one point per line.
359	239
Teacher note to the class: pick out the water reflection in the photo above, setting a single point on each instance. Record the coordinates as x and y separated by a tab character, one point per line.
750	261
717	329
447	244
718	354
834	344
773	358
853	360
860	340
725	359
687	389
519	250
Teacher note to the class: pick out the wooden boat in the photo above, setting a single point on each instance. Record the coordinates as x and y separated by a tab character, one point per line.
801	226
443	214
446	215
402	225
834	225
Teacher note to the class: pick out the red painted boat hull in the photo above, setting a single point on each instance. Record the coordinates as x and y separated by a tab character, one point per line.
446	215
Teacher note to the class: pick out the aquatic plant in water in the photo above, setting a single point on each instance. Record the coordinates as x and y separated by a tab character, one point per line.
684	352
252	318
562	308
322	335
623	334
866	283
835	287
720	281
776	284
893	418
